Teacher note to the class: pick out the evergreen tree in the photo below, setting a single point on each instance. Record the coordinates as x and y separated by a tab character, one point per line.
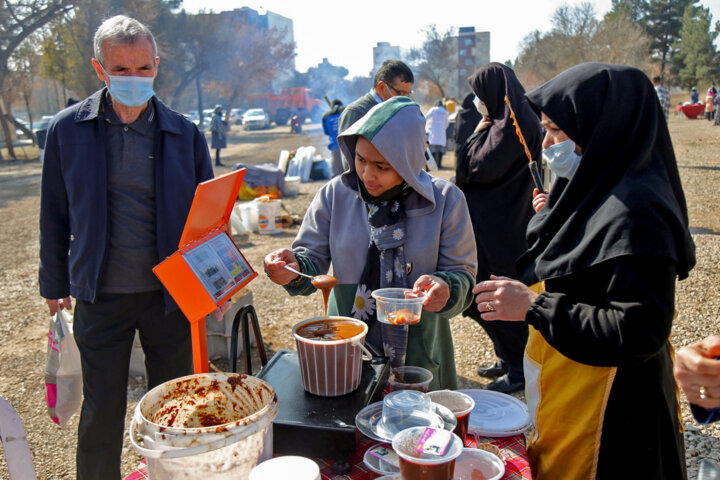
695	61
633	10
663	25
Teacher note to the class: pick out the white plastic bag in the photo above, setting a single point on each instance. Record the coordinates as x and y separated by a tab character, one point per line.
301	164
63	372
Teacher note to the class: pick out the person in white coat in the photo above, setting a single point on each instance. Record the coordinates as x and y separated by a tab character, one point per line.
438	120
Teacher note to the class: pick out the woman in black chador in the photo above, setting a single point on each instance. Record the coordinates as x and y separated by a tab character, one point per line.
605	251
466	121
492	172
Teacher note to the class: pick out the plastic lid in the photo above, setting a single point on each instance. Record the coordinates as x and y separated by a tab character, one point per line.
496	412
297	468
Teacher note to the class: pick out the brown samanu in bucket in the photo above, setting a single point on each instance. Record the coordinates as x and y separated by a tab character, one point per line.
330	354
332	329
193	405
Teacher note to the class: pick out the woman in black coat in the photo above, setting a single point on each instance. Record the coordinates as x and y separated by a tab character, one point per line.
605	252
466	120
492	172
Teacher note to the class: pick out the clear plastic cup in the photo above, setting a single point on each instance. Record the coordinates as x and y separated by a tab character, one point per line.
409	378
424	466
398	306
460	404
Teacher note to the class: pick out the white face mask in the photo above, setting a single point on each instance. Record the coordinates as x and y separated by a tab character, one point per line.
562	159
480	107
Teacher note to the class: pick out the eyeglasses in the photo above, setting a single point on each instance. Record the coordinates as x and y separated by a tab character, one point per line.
398	92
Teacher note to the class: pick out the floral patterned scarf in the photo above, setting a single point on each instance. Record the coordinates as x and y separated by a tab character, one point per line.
385	265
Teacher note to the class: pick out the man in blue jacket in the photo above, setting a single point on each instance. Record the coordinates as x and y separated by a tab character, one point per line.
330	127
119	176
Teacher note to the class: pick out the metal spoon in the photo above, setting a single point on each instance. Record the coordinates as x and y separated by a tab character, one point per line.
287	267
320	281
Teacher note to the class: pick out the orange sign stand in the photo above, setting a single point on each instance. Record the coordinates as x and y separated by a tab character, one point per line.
208	268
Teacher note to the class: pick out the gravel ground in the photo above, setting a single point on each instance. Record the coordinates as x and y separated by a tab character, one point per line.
23	328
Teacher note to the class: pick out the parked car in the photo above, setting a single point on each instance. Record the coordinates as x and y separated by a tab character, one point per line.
255	118
192	116
207	115
236	115
39	129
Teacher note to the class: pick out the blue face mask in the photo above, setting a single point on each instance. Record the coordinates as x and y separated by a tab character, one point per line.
130	91
562	159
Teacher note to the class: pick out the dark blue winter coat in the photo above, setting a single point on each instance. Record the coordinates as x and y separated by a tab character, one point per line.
74	199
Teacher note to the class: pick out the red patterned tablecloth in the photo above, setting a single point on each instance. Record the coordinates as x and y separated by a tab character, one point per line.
512	450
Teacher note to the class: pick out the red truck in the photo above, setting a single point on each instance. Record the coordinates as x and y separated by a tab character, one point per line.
290	101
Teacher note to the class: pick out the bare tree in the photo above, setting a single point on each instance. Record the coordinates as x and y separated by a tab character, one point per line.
538	61
632	50
255	57
68	46
577	36
574	29
18	20
436	61
24	66
197	49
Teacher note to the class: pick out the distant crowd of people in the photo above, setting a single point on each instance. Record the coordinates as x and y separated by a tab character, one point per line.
573	280
710	104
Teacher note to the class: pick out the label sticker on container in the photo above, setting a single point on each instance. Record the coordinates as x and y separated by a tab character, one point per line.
434	441
386	455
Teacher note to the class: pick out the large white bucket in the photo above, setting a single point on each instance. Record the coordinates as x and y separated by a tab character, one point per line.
269	215
292	186
213	426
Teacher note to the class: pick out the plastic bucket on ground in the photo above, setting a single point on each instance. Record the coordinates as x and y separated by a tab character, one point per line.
292	185
269	215
214	426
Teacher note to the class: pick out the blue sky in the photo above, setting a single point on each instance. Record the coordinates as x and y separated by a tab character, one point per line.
344	32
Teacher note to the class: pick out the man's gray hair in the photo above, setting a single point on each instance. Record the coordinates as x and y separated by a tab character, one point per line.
120	29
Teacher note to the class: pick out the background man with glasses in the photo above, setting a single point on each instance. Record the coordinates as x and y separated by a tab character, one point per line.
393	79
